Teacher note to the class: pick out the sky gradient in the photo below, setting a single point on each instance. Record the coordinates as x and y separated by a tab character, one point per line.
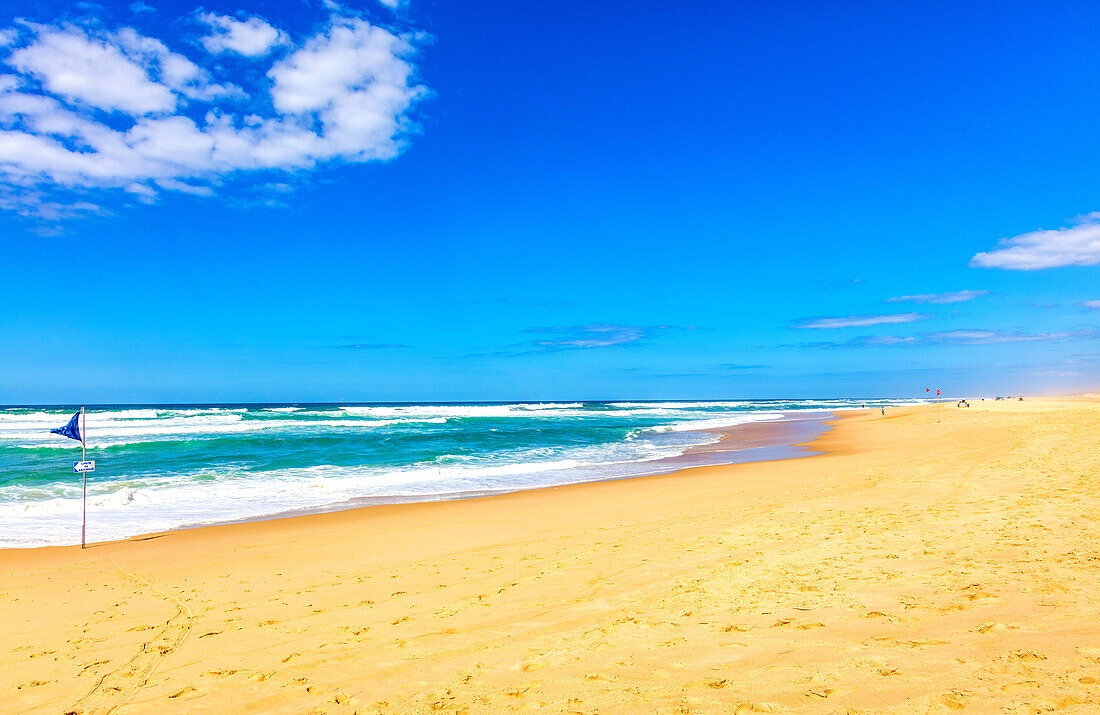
299	201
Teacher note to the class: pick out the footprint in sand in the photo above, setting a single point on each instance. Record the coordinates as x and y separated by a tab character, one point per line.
993	627
952	701
1029	656
355	630
186	691
1092	654
1021	687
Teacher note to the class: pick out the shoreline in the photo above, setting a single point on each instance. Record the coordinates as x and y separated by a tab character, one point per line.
768	436
753	441
912	565
763	441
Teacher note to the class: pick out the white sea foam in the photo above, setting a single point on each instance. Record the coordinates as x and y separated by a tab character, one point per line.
47	514
677	405
459	411
108	429
718	422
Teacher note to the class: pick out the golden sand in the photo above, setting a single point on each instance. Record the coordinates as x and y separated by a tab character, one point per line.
916	566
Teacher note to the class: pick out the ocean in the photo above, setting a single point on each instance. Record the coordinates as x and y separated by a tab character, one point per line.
162	467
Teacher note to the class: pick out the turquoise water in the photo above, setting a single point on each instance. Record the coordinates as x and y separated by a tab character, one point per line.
161	467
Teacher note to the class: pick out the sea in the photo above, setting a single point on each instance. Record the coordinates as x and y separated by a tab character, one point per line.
161	467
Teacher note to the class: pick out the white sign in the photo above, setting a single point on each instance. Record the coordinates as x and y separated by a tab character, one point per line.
84	466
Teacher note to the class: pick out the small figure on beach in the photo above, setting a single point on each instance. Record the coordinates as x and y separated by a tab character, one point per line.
884	411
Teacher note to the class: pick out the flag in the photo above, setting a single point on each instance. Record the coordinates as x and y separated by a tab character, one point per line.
71	430
937	392
928	389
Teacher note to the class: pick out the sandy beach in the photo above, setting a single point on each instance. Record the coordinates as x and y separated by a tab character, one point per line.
932	559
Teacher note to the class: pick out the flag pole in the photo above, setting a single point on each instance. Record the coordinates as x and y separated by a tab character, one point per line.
83	476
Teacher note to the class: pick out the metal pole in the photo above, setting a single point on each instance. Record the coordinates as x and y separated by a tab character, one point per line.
83	475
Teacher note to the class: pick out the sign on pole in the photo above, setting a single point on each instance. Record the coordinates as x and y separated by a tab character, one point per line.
88	466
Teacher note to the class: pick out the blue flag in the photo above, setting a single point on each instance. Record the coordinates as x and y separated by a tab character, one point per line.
71	430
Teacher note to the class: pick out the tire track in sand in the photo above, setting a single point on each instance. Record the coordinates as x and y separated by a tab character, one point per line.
118	686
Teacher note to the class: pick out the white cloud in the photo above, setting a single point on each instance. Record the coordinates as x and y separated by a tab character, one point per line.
84	111
959	296
138	7
172	69
985	337
74	66
47	210
1091	304
595	335
252	37
8	37
963	336
393	4
144	194
859	321
175	185
1077	245
599	335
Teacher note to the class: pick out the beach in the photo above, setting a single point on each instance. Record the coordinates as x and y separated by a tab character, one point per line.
934	558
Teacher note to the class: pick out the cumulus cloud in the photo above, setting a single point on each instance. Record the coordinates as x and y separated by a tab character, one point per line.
959	296
87	112
251	37
92	72
858	321
1077	245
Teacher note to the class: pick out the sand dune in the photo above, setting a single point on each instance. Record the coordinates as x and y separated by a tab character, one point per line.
917	566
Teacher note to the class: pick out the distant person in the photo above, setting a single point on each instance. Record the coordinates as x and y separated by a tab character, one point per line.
883	411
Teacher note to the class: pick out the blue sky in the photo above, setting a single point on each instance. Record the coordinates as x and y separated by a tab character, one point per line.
268	201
